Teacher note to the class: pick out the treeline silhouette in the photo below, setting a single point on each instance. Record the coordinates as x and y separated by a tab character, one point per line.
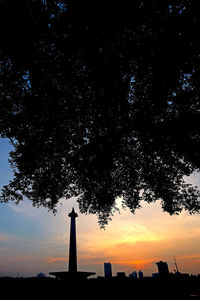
101	100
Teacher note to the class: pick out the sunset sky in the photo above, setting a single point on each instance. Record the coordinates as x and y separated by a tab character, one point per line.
33	240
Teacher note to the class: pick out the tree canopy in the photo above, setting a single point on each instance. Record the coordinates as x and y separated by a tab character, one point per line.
101	99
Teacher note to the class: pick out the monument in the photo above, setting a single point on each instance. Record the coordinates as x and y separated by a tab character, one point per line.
72	272
72	244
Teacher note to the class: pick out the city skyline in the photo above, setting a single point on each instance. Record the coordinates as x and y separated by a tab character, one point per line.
33	240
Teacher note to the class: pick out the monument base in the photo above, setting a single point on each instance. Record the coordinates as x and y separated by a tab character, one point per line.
72	275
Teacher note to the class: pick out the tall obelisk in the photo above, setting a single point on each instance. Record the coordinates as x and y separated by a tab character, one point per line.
72	273
72	246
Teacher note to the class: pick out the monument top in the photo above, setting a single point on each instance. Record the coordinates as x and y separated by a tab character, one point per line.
73	214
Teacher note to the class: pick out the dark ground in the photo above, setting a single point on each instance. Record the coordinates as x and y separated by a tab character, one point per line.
147	288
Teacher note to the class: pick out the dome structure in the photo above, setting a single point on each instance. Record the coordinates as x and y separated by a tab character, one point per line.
40	275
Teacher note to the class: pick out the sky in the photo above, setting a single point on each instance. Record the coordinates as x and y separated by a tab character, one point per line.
34	240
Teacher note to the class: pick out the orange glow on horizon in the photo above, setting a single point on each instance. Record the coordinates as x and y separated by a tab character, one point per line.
129	242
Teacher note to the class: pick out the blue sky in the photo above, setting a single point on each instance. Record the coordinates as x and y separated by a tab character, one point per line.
33	240
5	171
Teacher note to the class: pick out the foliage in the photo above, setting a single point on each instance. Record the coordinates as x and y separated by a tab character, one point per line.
101	100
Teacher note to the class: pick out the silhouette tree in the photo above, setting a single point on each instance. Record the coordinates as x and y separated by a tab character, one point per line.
101	100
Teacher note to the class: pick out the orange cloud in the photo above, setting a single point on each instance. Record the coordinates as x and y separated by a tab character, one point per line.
52	260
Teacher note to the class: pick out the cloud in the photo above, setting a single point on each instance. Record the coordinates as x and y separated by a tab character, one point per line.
53	260
26	209
4	238
10	238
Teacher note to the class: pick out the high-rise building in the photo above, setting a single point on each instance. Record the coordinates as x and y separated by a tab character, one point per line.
140	274
107	270
133	275
163	269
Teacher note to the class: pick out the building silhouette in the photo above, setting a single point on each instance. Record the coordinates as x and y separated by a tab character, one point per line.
107	270
121	275
140	274
72	272
133	275
163	269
